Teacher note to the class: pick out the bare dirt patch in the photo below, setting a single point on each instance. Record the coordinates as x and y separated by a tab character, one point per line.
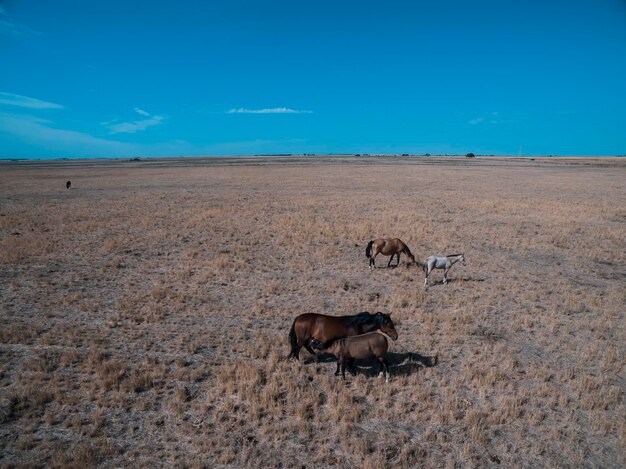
144	313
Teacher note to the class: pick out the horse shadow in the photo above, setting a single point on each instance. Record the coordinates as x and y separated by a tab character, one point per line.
407	363
454	280
319	358
400	364
394	266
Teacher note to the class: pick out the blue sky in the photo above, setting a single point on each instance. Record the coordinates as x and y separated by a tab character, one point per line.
122	79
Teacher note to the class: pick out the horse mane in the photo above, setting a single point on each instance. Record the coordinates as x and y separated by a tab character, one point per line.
406	250
454	255
379	318
358	319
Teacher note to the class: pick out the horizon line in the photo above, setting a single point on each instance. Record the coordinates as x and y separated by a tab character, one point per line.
289	155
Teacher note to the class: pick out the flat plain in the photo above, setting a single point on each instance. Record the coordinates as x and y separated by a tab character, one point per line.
144	312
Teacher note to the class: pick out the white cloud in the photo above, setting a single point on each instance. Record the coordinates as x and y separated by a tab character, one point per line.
493	119
135	126
39	138
274	110
24	101
50	141
7	26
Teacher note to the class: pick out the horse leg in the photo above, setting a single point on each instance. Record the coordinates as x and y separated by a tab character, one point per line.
295	351
389	263
384	369
426	278
373	261
343	368
307	346
351	367
445	276
338	368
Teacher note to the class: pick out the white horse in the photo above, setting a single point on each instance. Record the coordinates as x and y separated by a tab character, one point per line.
442	262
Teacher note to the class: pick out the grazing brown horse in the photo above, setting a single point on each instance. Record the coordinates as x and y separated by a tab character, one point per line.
325	329
370	345
387	247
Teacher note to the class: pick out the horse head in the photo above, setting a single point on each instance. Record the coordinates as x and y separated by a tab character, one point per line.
333	346
462	259
386	324
316	345
408	252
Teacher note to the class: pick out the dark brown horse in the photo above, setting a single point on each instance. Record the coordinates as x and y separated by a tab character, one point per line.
387	247
324	329
370	345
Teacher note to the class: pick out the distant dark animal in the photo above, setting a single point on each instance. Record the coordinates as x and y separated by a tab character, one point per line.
387	247
370	345
68	184
442	262
324	329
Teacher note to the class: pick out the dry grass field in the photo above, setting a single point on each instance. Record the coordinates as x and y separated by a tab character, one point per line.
144	313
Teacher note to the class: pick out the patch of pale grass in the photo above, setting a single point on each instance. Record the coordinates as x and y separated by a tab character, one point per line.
154	328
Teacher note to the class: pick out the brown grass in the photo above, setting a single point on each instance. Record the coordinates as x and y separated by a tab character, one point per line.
145	312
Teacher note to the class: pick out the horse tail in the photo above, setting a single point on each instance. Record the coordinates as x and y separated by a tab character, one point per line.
368	249
293	341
